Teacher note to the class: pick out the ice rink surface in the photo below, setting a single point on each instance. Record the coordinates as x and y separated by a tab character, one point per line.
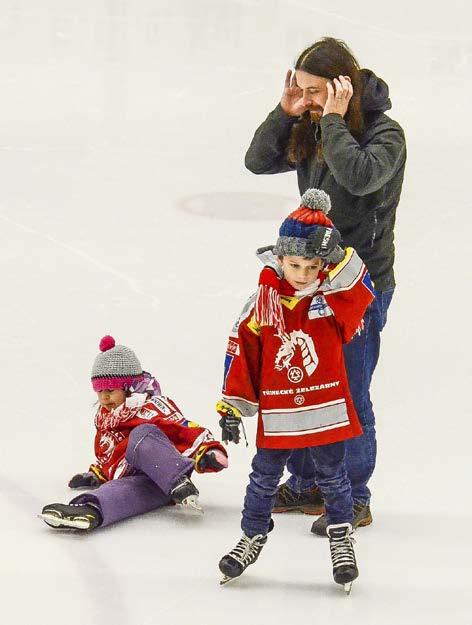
125	208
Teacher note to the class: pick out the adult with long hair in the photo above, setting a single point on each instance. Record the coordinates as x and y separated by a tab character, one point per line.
331	128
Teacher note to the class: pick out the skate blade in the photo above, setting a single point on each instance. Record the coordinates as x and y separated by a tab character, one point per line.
226	579
348	588
191	504
54	521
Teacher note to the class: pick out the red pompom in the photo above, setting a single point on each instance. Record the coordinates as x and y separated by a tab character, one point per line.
107	343
311	217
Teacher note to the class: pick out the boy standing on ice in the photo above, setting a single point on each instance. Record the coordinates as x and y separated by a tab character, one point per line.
285	362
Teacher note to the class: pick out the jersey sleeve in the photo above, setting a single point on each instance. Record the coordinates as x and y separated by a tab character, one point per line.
187	436
348	292
242	363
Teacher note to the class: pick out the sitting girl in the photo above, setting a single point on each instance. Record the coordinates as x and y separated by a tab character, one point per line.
145	449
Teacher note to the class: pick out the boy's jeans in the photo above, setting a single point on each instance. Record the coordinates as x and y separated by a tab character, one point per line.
361	356
267	468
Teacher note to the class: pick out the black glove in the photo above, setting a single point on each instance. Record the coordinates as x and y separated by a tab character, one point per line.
85	480
322	241
230	429
229	422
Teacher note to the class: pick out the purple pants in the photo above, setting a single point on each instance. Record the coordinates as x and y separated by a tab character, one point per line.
151	452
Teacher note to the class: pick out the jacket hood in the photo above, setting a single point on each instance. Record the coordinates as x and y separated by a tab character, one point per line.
375	93
268	259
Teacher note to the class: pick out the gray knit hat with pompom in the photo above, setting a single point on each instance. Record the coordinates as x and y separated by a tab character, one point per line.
115	367
299	233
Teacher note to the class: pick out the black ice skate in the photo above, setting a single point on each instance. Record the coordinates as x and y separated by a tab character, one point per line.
71	516
342	554
186	493
238	559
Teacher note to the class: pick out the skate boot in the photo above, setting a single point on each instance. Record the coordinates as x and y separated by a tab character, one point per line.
71	516
186	493
342	554
309	502
362	517
238	559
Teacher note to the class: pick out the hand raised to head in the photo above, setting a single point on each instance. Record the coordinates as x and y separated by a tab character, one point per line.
292	101
339	96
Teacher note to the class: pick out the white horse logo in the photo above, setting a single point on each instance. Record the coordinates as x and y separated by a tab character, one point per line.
107	445
286	351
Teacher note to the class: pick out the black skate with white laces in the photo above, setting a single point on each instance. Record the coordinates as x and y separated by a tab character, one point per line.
342	554
71	516
186	493
238	559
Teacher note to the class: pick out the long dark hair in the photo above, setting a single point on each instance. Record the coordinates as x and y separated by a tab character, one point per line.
328	58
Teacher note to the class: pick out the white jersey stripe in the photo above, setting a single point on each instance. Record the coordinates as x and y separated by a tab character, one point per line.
313	431
280	423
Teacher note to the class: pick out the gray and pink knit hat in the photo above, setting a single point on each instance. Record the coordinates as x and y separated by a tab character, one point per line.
115	367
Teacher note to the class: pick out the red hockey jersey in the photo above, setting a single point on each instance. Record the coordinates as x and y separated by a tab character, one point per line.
296	380
114	427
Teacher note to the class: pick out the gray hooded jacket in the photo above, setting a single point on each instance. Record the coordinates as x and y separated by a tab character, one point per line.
364	179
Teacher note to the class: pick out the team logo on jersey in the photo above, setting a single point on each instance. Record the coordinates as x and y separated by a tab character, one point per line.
295	374
319	308
148	414
290	343
299	400
232	348
163	407
107	445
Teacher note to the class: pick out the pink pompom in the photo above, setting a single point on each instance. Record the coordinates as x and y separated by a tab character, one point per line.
107	343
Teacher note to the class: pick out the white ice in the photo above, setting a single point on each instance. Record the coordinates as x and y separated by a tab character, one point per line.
125	208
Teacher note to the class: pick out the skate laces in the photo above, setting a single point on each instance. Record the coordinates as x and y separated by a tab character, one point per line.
342	551
247	549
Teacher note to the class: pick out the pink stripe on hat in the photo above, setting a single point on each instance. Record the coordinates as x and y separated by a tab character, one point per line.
116	366
109	384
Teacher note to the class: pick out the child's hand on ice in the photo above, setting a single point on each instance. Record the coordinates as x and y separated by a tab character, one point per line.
85	480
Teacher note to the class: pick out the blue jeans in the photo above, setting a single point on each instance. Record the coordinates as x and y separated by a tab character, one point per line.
360	356
267	469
